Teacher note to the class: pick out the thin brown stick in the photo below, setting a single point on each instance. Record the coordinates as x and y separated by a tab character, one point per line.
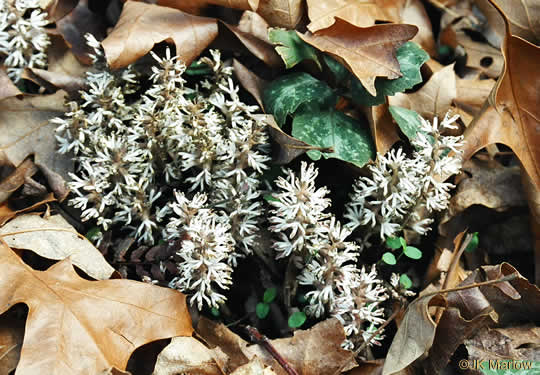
260	339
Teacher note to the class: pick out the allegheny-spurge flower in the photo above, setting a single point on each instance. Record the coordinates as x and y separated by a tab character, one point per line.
23	40
133	153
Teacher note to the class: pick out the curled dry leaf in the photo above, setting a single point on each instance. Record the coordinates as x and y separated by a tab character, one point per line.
469	310
414	13
6	213
367	52
186	355
472	93
361	13
255	366
55	238
57	9
512	116
143	25
25	130
434	98
383	130
76	326
252	23
523	18
518	343
414	336
16	179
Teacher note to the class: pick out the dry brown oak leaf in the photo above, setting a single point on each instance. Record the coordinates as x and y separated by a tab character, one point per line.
141	26
512	113
82	327
362	13
368	52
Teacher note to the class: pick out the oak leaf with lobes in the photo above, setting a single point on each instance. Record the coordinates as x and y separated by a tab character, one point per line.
367	52
76	326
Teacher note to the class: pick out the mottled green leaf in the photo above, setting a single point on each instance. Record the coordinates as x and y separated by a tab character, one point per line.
349	139
291	48
410	57
407	120
284	95
297	319
341	74
389	258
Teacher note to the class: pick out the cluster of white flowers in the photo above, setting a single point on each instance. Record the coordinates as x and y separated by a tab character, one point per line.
400	187
326	261
133	153
23	40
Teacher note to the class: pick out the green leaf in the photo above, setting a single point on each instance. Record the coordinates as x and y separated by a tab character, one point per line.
402	242
410	57
270	197
405	281
297	319
214	312
341	74
412	252
93	233
473	245
284	95
389	258
198	69
291	48
407	120
269	295
262	309
393	243
349	140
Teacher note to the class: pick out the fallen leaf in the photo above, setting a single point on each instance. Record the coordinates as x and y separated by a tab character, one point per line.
434	98
57	9
310	352
25	129
76	24
11	338
512	113
252	23
383	130
491	184
7	87
367	52
6	213
194	6
186	355
259	48
143	25
518	343
523	17
55	238
414	336
250	81
62	62
281	13
533	199
361	13
254	367
16	179
414	13
76	326
481	56
472	93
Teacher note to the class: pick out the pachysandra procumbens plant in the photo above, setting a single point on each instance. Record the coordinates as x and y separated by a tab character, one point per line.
23	40
395	197
176	163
